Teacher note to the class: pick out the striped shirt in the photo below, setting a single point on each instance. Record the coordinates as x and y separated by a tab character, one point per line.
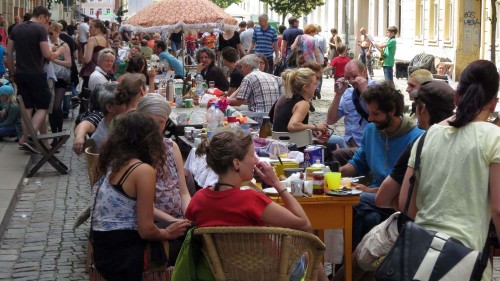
263	40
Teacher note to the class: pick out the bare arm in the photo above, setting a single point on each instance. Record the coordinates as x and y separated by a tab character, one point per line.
348	170
84	128
284	45
316	54
241	50
388	195
276	51
403	195
332	116
295	43
295	124
183	190
235	101
291	215
89	48
47	52
495	195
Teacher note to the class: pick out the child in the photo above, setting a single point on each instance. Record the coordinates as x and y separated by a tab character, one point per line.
338	63
2	55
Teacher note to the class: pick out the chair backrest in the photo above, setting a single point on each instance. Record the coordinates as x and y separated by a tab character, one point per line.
92	159
301	139
258	253
26	119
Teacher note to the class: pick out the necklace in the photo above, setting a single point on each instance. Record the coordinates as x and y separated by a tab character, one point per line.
219	184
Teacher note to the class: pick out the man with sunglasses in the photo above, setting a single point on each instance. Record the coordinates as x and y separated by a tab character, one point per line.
29	40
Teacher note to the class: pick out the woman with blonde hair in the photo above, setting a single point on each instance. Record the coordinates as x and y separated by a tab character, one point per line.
293	115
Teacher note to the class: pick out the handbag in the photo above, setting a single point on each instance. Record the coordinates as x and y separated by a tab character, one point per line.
421	254
62	72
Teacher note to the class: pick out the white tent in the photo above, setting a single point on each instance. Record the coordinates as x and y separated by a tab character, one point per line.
237	12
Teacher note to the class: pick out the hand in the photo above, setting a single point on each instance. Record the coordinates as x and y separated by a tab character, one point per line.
362	187
78	145
360	83
200	67
267	174
368	54
177	229
340	91
151	73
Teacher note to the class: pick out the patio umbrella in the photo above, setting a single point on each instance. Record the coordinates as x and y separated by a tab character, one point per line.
176	15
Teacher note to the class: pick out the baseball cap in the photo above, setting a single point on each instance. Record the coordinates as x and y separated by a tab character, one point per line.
437	95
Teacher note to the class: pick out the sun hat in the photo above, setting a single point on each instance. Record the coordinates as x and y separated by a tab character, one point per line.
6	87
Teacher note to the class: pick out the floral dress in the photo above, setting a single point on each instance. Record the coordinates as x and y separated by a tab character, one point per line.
167	194
307	44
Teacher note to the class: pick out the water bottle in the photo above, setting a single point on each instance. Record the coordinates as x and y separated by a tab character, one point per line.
218	117
199	84
265	129
210	110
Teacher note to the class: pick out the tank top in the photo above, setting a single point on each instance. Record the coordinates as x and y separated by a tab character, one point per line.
90	67
167	193
114	209
285	113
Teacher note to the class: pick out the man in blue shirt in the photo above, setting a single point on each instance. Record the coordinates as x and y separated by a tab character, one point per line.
160	49
265	41
289	36
383	141
348	103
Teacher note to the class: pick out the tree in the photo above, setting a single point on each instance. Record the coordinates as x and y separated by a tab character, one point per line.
294	7
225	3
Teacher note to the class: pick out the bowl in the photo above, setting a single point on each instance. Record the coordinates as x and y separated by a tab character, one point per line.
290	171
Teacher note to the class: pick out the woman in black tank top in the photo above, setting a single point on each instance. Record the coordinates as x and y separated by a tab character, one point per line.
293	115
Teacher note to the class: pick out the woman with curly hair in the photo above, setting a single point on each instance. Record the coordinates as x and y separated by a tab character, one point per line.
122	219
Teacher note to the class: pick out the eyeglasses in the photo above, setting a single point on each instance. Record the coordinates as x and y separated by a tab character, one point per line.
109	52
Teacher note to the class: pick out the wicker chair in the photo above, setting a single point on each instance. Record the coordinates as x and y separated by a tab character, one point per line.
150	275
258	253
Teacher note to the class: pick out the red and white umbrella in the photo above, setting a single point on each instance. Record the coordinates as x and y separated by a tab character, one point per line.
176	15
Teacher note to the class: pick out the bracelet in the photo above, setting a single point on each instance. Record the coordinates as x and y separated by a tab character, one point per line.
283	190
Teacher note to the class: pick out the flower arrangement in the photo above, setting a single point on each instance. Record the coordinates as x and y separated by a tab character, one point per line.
223	106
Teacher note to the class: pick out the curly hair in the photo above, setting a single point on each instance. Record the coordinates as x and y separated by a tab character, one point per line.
135	135
387	98
130	86
223	148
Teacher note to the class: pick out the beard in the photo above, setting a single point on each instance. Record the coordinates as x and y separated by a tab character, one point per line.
384	124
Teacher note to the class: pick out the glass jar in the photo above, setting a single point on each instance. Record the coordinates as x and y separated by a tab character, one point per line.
318	182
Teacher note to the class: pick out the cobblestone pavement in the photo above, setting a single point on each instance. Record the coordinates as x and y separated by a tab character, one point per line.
39	242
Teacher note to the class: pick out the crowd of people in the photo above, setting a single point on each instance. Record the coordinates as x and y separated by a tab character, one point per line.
144	193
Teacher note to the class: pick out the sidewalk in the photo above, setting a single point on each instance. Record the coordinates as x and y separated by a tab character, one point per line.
12	170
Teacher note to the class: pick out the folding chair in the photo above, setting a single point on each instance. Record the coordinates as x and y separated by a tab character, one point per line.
301	139
47	152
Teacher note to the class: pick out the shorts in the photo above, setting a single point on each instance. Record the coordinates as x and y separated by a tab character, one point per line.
34	89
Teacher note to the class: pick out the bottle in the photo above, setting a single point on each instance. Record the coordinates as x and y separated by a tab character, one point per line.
199	84
158	66
265	129
216	120
179	100
208	114
170	90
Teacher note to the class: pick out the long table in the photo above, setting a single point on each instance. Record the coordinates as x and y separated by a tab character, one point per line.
330	212
197	116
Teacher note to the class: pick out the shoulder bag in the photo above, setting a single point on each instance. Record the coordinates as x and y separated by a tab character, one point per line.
62	72
293	58
421	254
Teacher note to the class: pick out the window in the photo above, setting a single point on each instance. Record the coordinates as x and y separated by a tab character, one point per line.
448	21
108	10
100	11
419	19
91	11
433	19
99	1
83	10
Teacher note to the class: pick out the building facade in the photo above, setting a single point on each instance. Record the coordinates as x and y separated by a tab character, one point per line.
93	8
12	8
457	30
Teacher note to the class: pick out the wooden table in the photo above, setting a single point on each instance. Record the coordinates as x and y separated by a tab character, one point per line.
330	212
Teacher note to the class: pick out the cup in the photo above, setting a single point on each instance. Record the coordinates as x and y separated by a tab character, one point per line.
188	103
346	183
280	167
182	118
333	180
211	84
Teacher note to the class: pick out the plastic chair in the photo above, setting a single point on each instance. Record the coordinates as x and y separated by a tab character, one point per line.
301	139
259	253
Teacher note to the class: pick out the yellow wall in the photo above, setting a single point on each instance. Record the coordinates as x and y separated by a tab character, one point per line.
468	31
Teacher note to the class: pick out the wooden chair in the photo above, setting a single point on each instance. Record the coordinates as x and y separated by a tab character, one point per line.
301	139
47	152
259	253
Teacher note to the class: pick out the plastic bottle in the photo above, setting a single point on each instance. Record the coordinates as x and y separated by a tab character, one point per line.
216	120
208	114
199	84
265	130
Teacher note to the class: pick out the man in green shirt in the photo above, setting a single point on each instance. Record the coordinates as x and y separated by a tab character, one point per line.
389	52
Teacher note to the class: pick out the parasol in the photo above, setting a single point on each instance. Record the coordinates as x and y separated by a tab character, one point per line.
176	15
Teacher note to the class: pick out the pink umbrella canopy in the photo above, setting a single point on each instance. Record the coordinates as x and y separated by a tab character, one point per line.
174	15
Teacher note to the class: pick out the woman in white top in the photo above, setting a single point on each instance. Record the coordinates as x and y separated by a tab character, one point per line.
103	70
457	190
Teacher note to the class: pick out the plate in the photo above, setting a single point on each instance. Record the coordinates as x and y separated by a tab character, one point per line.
344	193
273	191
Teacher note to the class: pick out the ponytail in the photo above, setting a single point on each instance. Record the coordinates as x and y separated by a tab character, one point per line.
470	103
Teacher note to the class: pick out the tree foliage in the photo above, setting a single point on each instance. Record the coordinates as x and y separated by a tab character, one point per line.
225	3
293	7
